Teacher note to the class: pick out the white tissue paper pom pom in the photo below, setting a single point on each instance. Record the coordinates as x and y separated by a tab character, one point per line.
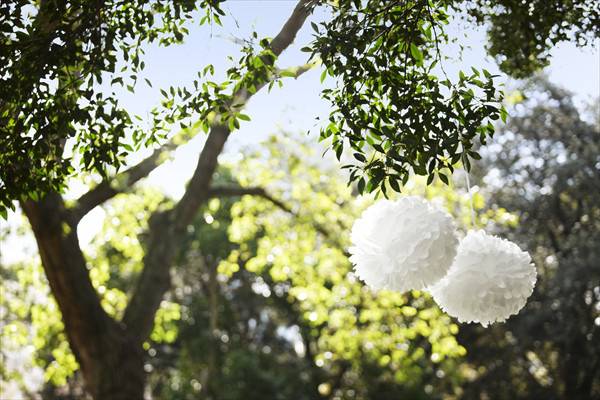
407	244
490	280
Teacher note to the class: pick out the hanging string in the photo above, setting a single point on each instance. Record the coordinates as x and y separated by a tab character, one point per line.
470	198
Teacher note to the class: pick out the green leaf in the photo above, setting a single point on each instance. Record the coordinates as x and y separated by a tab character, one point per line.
361	185
360	157
416	53
503	114
443	178
394	184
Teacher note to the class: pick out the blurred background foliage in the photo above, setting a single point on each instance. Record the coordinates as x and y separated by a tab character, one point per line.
265	305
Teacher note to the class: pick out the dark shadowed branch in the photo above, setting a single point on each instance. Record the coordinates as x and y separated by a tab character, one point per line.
121	182
234	191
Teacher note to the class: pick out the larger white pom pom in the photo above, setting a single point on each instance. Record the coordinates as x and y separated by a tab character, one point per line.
490	280
403	245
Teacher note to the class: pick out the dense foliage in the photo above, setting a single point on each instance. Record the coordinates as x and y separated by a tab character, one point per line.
390	99
54	57
59	61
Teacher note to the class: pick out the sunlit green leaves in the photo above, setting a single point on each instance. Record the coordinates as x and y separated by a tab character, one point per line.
165	325
303	251
32	332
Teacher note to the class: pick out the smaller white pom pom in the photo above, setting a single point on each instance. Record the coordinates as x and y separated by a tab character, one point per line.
490	280
403	245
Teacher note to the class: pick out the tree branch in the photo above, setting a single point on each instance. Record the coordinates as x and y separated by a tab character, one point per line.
234	191
288	32
167	229
124	181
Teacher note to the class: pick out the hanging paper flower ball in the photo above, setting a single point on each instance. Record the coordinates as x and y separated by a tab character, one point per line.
490	280
403	245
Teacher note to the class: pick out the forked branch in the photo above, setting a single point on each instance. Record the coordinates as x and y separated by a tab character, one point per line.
168	228
124	181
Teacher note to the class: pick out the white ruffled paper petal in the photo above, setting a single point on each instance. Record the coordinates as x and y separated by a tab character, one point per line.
490	280
403	245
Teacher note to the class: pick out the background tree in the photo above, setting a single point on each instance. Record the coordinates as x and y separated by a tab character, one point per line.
263	301
548	172
108	351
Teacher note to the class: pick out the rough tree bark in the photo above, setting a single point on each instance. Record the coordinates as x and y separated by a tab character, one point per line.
110	352
111	362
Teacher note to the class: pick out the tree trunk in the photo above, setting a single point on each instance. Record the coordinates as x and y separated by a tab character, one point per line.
110	359
121	374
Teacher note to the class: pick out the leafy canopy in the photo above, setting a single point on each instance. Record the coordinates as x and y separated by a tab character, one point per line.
54	57
393	106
